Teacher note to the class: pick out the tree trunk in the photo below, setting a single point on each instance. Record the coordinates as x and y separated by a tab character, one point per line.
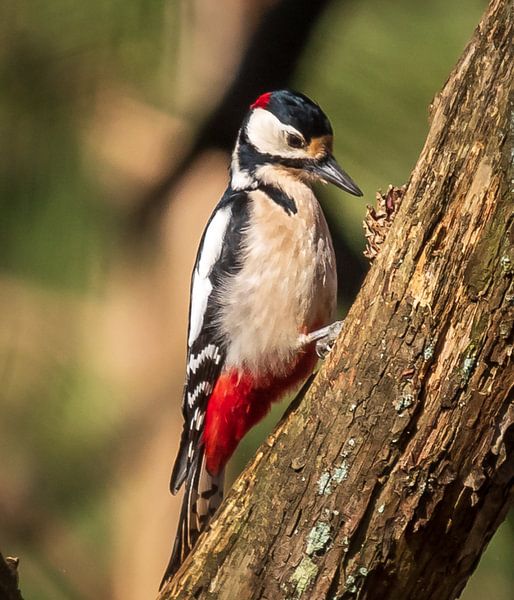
9	579
395	469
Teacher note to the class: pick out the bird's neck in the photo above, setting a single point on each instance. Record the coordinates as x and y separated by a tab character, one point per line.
242	167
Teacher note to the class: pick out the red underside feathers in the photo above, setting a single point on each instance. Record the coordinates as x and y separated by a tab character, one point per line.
239	401
262	101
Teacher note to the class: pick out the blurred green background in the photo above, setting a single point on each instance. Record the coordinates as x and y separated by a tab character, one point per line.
96	98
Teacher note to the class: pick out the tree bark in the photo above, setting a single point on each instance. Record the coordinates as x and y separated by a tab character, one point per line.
390	476
9	579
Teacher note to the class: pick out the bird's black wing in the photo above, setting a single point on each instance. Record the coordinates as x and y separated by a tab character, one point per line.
218	256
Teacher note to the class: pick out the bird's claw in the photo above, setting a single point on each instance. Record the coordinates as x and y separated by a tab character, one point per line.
329	335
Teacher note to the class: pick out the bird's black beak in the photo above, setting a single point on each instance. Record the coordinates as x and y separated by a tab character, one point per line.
329	171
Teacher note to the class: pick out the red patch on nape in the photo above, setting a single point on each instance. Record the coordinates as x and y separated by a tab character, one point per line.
262	101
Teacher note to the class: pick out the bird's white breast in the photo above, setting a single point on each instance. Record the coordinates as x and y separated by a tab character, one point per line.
286	286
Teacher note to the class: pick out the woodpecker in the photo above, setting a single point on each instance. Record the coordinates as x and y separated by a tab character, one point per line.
263	292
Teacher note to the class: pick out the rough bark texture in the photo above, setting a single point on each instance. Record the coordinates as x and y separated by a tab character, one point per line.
393	472
9	579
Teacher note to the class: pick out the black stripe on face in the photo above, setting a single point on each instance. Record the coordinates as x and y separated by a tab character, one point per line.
250	158
293	163
280	197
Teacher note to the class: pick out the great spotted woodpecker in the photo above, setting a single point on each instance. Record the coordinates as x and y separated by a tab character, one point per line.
263	291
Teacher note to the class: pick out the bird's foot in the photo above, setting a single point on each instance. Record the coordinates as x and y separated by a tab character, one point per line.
324	338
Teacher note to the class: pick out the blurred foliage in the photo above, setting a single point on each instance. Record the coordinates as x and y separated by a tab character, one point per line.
53	57
373	65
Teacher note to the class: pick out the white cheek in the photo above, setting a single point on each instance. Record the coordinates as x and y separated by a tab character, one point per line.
268	134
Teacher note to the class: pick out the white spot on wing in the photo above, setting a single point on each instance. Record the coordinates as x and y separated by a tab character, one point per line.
198	421
202	288
210	252
195	360
204	387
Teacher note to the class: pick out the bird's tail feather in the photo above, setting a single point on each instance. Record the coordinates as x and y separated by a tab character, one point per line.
202	496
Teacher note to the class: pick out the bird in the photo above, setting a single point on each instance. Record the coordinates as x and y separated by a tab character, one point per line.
262	297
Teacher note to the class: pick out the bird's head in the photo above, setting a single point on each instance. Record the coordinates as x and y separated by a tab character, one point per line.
285	131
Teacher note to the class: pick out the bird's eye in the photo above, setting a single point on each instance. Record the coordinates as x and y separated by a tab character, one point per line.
295	141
